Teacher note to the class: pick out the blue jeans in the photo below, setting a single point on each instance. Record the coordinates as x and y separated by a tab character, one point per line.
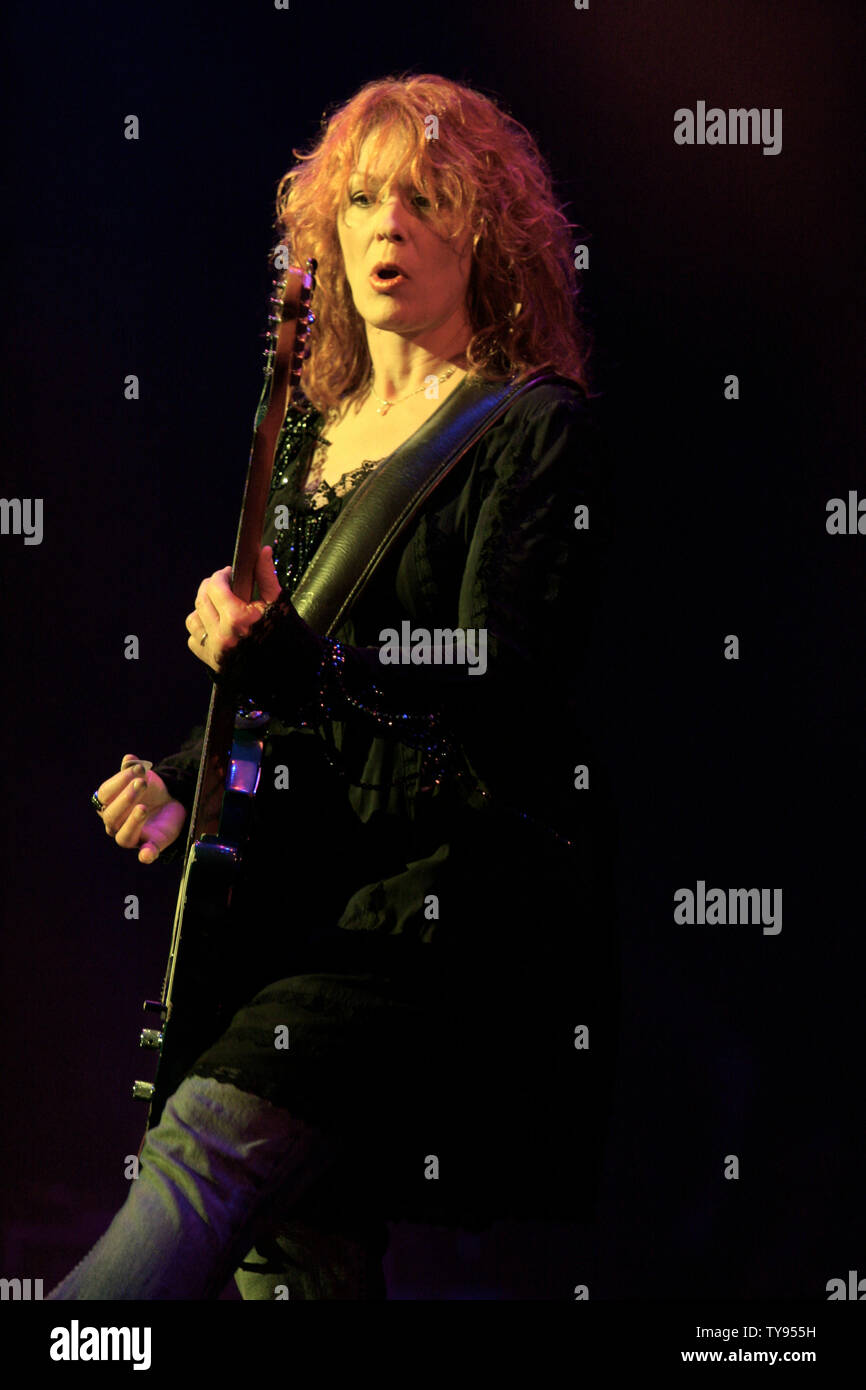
220	1190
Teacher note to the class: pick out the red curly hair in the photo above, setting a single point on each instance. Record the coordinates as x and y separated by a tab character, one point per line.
480	168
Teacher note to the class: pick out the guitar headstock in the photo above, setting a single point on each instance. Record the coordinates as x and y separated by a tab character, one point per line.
290	322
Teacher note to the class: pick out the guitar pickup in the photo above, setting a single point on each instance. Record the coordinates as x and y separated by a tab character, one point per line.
247	752
244	773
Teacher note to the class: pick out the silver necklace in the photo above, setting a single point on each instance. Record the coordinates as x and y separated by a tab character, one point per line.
385	406
317	465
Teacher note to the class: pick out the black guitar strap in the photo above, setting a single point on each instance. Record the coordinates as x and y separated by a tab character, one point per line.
384	504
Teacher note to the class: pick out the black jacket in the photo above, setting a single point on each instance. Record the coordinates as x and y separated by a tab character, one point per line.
432	824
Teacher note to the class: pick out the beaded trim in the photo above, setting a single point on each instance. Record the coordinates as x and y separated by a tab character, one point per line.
334	663
422	731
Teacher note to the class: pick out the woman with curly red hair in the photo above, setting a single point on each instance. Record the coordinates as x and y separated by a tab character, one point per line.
482	177
424	910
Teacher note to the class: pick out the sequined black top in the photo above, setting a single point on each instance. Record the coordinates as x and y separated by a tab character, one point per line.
308	511
429	801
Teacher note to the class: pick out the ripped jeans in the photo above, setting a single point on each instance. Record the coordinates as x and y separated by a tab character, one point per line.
221	1190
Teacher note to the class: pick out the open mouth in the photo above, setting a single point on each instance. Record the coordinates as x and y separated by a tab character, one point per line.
387	275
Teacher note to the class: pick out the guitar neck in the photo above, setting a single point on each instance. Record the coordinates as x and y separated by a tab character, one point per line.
258	482
290	326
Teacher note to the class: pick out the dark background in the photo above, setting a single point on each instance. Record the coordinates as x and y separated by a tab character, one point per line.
150	257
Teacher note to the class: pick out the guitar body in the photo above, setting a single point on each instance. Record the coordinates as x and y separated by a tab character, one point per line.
199	1007
199	992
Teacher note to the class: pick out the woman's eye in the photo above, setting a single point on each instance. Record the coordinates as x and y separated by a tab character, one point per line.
363	200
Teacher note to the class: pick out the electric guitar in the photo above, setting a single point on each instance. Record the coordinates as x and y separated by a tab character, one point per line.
193	1008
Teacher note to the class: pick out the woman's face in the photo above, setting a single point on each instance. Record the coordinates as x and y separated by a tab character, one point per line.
393	223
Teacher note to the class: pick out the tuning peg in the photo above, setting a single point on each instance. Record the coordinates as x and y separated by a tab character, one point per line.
152	1038
154	1006
143	1090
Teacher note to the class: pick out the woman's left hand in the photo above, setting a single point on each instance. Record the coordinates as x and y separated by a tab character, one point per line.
220	619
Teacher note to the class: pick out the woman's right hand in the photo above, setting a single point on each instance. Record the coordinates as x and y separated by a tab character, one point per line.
138	811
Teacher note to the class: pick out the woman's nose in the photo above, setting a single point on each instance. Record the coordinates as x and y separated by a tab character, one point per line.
392	214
